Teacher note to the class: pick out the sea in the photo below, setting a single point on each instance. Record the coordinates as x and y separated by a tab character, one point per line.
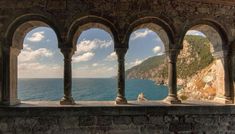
87	89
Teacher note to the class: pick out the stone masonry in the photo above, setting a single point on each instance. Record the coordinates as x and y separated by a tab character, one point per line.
138	119
170	19
69	18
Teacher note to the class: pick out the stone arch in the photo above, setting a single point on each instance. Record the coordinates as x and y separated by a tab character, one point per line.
218	37
22	25
213	31
87	22
14	38
164	30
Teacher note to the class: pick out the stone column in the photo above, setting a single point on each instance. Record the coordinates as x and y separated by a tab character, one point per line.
10	73
223	92
67	99
172	77
233	74
1	71
121	52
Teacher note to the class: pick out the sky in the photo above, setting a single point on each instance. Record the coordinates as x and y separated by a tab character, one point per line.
94	58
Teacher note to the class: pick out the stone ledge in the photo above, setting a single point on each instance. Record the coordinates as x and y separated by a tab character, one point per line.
47	108
107	118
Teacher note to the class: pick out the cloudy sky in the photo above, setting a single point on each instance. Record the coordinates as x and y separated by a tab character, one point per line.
95	56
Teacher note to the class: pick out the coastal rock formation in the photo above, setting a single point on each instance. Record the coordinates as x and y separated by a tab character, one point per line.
194	66
202	86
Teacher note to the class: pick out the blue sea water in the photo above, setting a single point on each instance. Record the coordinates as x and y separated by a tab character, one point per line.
92	89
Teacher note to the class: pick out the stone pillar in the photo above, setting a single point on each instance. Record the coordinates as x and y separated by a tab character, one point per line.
172	77
121	52
233	74
10	73
1	71
223	91
67	99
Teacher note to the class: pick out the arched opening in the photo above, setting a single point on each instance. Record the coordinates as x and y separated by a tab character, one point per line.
206	76
146	64
94	64
40	66
17	38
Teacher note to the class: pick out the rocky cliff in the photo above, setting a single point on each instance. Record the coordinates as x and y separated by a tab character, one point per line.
194	66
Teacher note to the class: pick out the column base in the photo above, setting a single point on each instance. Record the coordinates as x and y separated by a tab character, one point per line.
172	100
225	100
11	102
120	100
67	101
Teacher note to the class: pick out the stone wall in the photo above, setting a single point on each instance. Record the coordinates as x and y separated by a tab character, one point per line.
178	14
69	18
118	119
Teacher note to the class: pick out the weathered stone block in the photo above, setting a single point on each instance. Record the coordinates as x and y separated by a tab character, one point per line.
207	120
231	126
124	120
153	129
140	120
159	120
87	120
3	127
204	128
56	4
180	127
130	130
69	122
171	118
104	120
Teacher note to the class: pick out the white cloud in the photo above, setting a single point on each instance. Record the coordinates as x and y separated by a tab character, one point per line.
89	45
157	49
101	71
39	70
109	69
138	34
105	44
111	57
135	63
27	54
84	57
95	64
85	46
31	66
195	32
26	47
37	36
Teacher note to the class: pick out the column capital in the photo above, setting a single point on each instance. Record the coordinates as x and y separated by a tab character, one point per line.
121	51
172	55
15	51
67	52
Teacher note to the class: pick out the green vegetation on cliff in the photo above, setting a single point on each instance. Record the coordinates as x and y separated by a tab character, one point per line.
148	64
199	58
194	57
